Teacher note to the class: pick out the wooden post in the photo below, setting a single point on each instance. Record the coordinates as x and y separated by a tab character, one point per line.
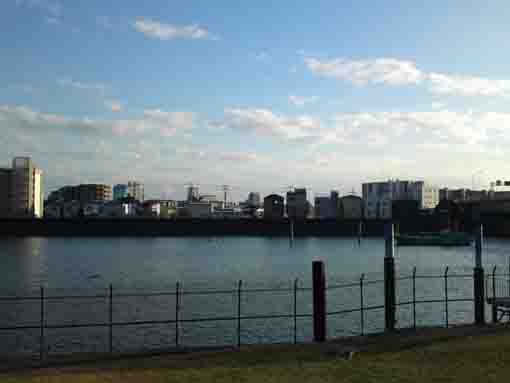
479	293
319	301
389	278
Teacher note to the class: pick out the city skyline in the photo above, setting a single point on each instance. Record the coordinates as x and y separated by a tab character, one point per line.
257	96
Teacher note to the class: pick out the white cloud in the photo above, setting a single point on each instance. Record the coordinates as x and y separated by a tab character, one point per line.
301	101
69	82
265	122
114	106
387	71
153	122
467	85
395	72
162	31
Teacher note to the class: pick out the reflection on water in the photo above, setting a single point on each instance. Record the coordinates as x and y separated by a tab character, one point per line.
24	263
213	262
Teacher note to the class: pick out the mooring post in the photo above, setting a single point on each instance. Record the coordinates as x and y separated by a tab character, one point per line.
479	279
389	278
319	301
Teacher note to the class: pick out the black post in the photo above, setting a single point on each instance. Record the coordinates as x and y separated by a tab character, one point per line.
319	301
295	310
389	279
177	307
479	293
362	313
414	297
239	286
494	307
446	295
508	280
111	320
41	333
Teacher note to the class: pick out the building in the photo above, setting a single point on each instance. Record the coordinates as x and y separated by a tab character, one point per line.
93	193
136	190
378	196
253	200
84	193
325	207
21	189
193	193
64	194
297	204
273	207
322	207
120	191
200	209
350	207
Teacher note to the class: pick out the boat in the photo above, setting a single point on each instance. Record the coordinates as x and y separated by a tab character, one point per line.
434	239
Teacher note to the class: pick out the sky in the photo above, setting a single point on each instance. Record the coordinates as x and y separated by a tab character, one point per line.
256	95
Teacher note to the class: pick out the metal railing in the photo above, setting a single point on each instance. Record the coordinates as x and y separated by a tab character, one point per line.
448	290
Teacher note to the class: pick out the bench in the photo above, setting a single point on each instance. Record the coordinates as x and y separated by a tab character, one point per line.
500	306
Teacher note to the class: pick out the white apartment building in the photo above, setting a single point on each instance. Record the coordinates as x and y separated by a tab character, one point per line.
378	196
21	189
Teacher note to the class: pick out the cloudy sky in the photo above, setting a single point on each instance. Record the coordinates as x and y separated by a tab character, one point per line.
258	95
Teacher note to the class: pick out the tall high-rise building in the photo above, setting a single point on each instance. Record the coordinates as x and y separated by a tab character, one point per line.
21	189
136	190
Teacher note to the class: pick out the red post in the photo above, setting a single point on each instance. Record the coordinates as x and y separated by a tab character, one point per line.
319	301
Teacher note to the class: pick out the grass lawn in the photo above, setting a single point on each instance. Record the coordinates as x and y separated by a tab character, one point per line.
430	358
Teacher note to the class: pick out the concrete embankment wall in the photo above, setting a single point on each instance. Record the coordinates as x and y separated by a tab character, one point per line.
495	225
185	227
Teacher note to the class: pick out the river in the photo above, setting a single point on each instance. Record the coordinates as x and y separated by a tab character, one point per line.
74	266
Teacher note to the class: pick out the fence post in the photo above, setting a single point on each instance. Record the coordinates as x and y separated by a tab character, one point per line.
41	333
414	297
177	307
362	313
389	278
446	294
319	301
494	307
479	279
110	317
239	286
295	309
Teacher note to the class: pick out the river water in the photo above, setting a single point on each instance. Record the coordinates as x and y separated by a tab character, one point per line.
132	266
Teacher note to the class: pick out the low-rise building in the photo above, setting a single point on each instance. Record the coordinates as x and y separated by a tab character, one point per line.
350	207
274	207
297	204
322	207
378	196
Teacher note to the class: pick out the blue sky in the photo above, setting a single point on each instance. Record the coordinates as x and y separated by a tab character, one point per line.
258	95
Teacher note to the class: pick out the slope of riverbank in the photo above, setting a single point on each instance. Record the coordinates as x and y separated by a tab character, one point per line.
427	355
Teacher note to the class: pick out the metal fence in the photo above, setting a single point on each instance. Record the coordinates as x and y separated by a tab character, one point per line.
355	308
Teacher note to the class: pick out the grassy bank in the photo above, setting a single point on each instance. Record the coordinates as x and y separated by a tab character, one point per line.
443	356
